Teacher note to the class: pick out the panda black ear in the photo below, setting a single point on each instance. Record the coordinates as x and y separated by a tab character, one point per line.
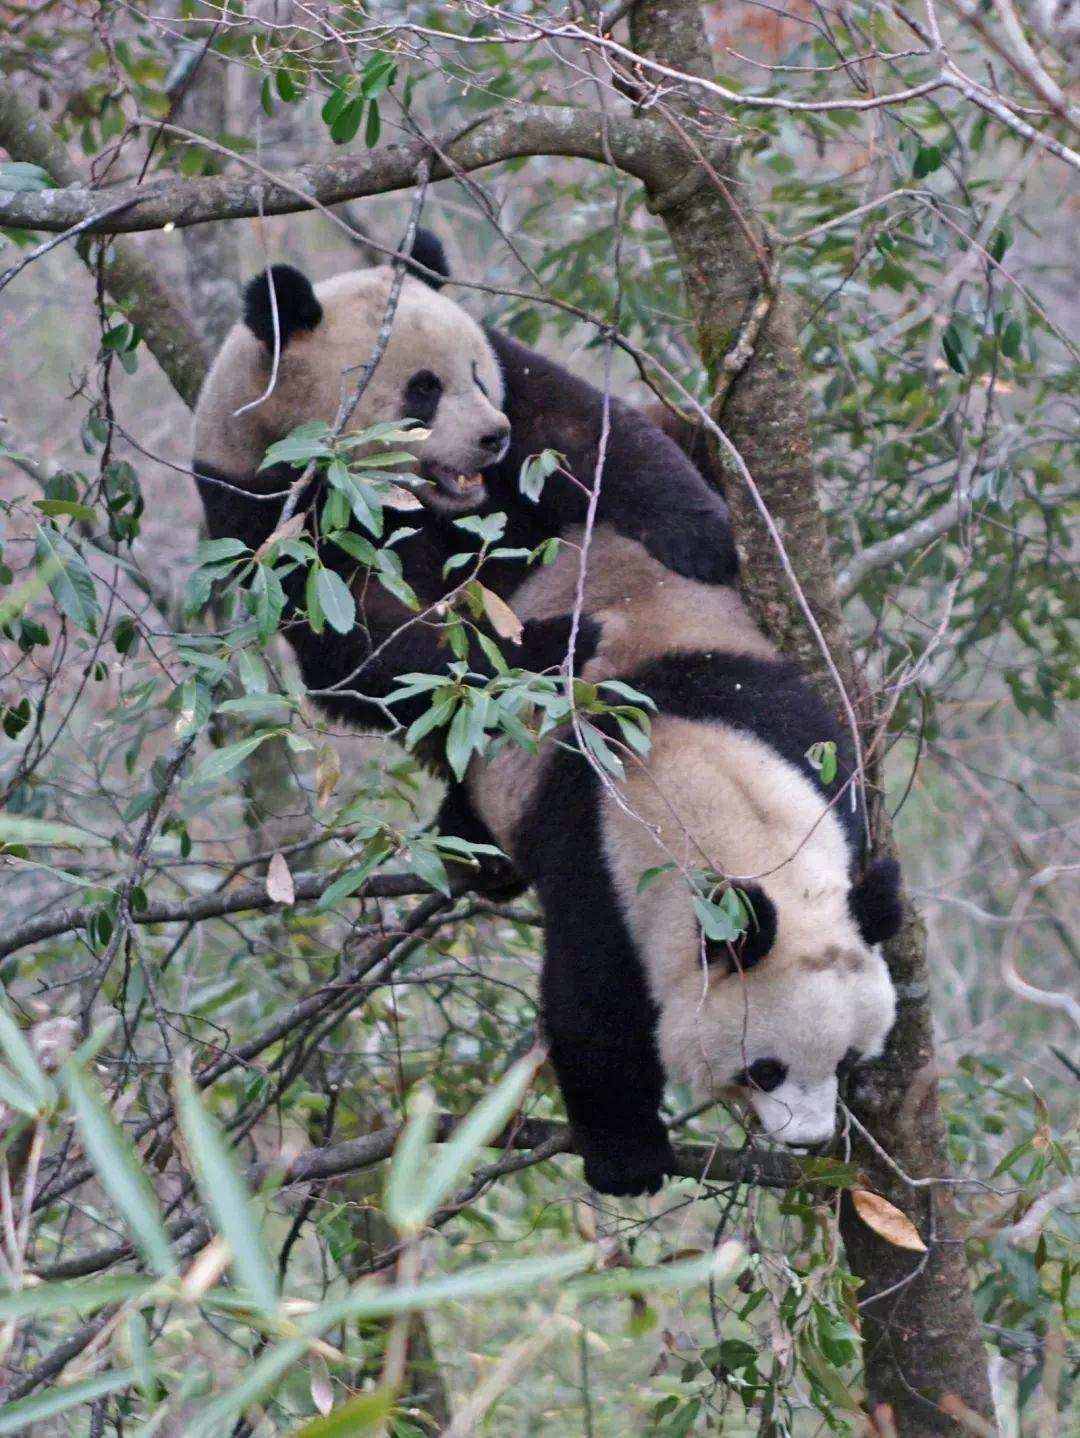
428	255
754	942
297	307
875	901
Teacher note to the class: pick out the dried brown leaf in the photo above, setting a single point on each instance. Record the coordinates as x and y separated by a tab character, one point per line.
327	773
504	621
279	882
886	1220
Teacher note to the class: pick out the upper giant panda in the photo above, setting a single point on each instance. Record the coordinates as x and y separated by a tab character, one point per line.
632	991
488	403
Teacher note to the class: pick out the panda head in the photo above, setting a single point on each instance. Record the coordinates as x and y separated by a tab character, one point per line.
437	369
782	1015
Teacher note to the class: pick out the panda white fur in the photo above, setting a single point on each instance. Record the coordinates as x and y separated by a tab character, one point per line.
632	993
627	996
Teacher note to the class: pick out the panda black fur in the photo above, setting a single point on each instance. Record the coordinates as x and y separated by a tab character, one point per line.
631	993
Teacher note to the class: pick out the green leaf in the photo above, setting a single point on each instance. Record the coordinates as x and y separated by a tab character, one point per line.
455	1158
336	601
71	583
715	921
18	829
53	507
46	1298
304	443
358	1415
1011	337
21	1057
535	470
223	1192
20	1417
373	1300
373	128
953	348
347	121
223	761
928	158
212	551
352	879
118	1171
722	1266
21	177
257	1380
403	1202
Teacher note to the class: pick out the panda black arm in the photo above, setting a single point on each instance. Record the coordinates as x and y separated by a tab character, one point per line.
649	489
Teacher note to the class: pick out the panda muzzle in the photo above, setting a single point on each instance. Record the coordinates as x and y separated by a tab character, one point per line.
453	482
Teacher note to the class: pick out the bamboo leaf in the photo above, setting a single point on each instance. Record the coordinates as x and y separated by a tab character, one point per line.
454	1159
21	1057
118	1170
19	829
223	1192
46	1298
19	1417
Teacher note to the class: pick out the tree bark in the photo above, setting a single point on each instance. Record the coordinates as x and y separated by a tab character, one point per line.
921	1338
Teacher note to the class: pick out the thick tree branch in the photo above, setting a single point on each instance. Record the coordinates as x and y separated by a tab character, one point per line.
635	144
131	280
888	551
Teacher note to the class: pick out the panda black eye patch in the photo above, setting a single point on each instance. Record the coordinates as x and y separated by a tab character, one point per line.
422	395
763	1074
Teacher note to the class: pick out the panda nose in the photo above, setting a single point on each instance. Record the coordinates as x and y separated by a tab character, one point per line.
493	443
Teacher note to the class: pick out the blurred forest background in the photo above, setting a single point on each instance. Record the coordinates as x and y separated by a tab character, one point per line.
935	274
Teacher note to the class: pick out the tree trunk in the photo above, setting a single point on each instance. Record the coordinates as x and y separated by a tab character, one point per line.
921	1340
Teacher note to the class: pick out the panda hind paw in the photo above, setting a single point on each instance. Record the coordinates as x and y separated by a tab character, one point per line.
624	1170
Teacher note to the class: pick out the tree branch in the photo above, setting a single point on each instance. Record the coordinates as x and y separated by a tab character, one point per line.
209	906
888	551
533	1140
504	135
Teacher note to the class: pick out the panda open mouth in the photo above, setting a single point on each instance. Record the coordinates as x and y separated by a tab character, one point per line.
464	488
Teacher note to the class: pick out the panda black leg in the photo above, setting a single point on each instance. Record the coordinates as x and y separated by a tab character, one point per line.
493	877
597	1010
604	1055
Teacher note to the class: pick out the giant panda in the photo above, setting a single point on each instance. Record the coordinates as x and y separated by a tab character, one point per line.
632	992
488	403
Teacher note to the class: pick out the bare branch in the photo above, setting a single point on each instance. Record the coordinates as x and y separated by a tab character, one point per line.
208	906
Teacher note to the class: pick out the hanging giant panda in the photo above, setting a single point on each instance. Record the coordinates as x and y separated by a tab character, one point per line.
632	993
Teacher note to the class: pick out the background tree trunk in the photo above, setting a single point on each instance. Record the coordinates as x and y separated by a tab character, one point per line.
921	1336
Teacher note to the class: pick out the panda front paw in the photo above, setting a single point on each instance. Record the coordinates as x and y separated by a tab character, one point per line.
626	1167
698	546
